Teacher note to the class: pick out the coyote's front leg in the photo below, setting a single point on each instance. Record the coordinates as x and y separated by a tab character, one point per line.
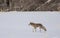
40	29
34	30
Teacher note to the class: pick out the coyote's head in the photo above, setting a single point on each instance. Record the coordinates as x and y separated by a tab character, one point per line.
31	23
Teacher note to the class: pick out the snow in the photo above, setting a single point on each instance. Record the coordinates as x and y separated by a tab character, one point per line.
15	24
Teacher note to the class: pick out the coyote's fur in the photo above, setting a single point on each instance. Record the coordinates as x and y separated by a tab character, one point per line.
35	25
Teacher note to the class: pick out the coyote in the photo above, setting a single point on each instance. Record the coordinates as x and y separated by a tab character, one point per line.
35	25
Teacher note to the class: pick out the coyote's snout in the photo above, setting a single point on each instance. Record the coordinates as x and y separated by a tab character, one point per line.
35	25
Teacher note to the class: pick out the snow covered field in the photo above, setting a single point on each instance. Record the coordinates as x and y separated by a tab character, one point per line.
15	25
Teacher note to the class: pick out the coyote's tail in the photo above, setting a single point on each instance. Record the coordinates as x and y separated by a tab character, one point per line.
44	28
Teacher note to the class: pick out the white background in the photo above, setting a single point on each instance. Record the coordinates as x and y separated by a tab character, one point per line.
15	24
